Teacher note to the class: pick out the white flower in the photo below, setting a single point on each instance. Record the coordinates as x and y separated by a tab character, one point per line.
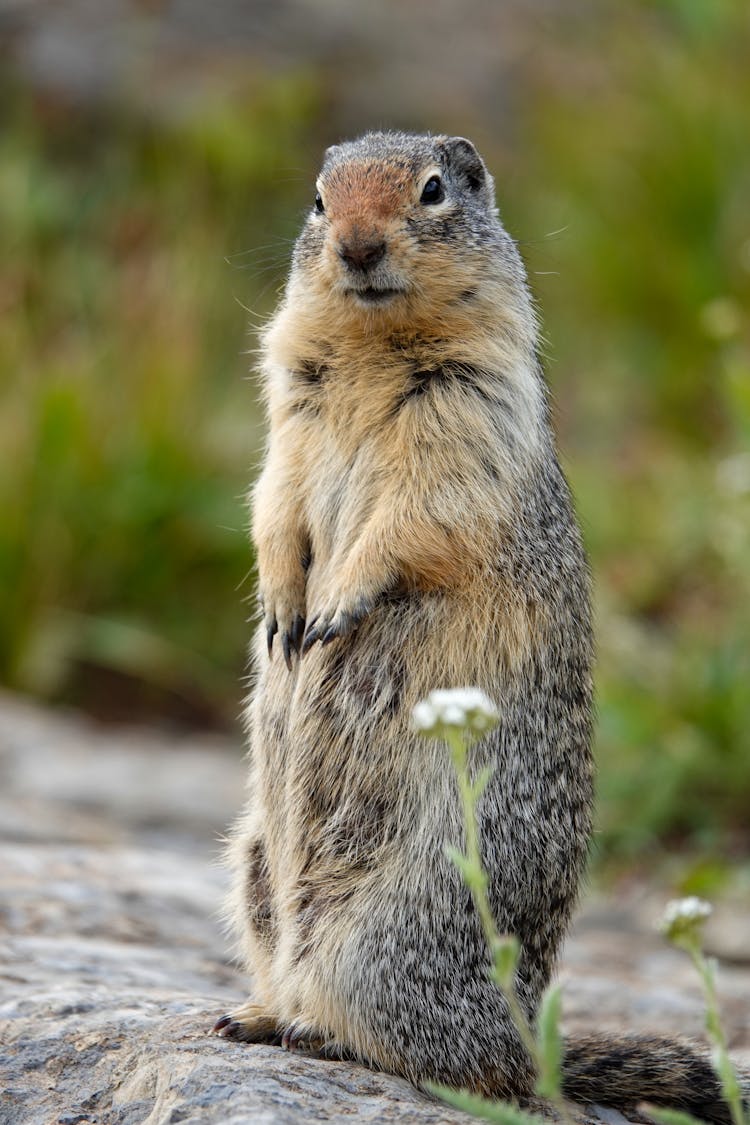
423	716
458	708
691	909
683	917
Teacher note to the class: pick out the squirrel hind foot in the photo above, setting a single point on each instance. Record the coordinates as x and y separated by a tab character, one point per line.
301	1037
249	1024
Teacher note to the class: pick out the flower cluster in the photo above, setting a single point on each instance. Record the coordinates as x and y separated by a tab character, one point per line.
465	709
683	918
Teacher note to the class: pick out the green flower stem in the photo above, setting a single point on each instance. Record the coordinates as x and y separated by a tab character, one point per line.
727	1075
503	949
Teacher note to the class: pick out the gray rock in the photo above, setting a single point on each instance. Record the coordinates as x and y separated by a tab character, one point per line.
114	966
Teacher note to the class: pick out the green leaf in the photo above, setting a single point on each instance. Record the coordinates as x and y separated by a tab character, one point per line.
477	1106
550	1044
461	861
724	1068
505	956
480	782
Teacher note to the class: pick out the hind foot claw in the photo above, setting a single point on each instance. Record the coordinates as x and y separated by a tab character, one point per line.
249	1024
300	1037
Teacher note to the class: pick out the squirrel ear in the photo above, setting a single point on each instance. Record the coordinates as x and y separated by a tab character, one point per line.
464	159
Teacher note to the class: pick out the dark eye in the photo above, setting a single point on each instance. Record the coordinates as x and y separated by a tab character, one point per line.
319	204
432	191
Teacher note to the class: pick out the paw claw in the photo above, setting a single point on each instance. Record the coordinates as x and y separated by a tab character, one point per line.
297	632
298	1037
311	635
229	1030
271	631
291	639
251	1024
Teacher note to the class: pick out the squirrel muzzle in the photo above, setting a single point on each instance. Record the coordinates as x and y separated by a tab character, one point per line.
361	252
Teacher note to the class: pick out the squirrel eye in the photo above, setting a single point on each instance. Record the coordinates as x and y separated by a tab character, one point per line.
319	204
432	191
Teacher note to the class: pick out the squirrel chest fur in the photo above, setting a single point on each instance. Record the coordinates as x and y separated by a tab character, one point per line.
413	531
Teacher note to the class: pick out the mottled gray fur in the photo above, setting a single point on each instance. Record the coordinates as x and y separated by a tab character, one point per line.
413	513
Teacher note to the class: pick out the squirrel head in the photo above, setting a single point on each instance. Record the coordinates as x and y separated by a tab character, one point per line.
401	223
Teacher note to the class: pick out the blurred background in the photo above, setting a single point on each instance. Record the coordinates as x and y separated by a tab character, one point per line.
156	160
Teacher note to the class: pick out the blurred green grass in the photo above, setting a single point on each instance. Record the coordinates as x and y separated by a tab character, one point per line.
130	430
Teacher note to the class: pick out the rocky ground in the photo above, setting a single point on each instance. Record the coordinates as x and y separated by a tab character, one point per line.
114	966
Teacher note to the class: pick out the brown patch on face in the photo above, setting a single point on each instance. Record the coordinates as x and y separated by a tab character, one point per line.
364	200
367	193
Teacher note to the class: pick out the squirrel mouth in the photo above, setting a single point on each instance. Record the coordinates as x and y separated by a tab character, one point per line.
372	296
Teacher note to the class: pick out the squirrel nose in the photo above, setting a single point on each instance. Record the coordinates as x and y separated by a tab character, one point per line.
361	255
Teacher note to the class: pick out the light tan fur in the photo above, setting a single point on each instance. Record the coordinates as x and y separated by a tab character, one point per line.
412	521
417	513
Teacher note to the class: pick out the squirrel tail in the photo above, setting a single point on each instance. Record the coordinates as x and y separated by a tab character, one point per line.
623	1070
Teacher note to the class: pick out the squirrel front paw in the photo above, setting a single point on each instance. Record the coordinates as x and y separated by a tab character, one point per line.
336	621
284	613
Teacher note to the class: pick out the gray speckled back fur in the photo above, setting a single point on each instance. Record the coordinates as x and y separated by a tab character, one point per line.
414	531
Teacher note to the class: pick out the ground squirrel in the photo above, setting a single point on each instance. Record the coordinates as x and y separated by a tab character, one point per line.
414	531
